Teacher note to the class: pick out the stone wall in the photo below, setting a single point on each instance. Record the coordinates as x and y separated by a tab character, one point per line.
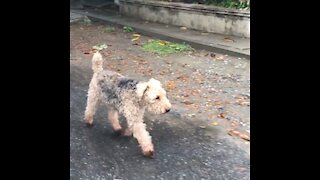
199	17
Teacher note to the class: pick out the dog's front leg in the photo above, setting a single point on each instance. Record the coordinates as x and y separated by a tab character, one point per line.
114	119
143	137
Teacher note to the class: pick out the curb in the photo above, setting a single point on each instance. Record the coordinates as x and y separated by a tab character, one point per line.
167	37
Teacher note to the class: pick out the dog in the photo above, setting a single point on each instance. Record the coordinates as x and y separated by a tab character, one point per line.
127	96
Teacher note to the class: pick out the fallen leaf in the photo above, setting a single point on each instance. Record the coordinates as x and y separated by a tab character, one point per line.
171	85
244	103
243	100
218	104
215	123
136	35
162	43
203	127
239	134
183	77
228	39
199	78
245	137
135	39
219	57
233	124
221	115
147	72
187	102
195	92
184	28
162	72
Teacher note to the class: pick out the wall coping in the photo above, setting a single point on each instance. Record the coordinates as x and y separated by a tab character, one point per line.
191	7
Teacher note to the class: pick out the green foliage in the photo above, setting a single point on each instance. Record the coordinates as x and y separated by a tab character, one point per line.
236	4
127	29
164	47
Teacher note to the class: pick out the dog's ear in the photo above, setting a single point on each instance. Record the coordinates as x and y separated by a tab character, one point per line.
155	82
141	89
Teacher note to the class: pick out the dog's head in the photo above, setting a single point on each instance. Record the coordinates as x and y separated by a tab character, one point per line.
153	96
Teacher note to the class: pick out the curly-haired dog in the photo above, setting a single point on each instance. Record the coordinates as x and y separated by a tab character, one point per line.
128	97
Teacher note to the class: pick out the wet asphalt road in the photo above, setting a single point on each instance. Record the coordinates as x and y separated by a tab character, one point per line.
186	147
183	149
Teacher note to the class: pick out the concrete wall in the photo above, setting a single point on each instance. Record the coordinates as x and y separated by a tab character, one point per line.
199	17
74	4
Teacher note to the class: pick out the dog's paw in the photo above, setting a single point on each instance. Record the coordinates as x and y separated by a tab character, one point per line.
149	153
126	132
89	121
118	132
89	125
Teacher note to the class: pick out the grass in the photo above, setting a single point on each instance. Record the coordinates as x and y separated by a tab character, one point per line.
100	47
86	21
127	29
164	47
234	4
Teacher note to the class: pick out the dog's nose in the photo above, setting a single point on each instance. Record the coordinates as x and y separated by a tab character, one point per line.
167	110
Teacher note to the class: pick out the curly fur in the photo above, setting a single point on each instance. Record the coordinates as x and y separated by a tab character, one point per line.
128	97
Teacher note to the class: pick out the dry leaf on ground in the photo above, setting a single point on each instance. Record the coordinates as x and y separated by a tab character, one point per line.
171	85
187	102
195	92
183	77
221	115
228	39
239	134
135	39
243	100
215	123
162	72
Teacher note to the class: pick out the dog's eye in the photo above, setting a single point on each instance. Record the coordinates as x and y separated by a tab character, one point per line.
158	97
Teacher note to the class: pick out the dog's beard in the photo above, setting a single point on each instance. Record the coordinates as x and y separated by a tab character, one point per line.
155	109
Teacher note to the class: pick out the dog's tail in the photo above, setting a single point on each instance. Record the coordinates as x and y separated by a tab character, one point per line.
97	62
